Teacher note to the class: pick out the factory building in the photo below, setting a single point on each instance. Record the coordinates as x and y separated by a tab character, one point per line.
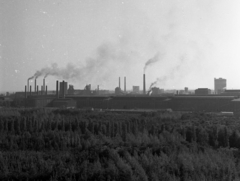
63	103
202	91
118	91
136	89
157	91
71	90
38	101
87	90
219	85
231	92
63	89
87	98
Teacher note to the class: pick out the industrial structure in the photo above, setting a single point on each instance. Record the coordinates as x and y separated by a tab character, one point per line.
155	98
136	89
144	84
232	92
219	85
156	91
202	91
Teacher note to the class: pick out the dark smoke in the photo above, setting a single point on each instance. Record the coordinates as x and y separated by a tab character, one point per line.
70	71
30	78
151	61
37	74
153	83
171	75
158	80
95	69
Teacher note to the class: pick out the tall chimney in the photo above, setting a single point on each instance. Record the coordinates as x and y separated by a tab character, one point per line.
37	89
43	85
28	85
144	84
57	89
124	84
35	86
119	82
30	90
25	91
46	90
63	88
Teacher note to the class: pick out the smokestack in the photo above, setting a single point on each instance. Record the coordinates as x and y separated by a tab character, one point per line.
98	89
25	91
35	86
124	84
43	85
37	89
144	84
46	90
119	82
28	85
30	90
63	88
57	89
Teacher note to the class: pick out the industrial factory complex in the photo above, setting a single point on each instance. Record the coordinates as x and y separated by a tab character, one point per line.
65	96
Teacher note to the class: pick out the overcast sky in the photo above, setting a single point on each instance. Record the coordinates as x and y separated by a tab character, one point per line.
96	41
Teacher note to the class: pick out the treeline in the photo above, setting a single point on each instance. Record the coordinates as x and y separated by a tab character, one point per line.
40	144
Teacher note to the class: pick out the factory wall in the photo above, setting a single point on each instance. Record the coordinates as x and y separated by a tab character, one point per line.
210	104
63	103
119	102
38	101
191	103
176	103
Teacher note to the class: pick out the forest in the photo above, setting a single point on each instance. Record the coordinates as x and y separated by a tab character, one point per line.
63	144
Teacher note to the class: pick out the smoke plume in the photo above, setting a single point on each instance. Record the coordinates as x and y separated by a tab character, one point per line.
30	78
151	61
174	70
96	69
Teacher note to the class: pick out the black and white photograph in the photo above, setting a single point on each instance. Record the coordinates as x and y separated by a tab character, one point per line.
119	90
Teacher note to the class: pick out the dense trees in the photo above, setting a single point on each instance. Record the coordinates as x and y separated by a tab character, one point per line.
41	144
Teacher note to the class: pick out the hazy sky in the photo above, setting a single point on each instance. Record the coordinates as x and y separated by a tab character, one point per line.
96	41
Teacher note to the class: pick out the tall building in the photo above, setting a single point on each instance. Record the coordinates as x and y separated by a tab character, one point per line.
219	85
63	89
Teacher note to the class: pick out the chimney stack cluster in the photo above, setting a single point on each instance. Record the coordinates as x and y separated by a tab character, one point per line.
60	87
125	84
28	88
